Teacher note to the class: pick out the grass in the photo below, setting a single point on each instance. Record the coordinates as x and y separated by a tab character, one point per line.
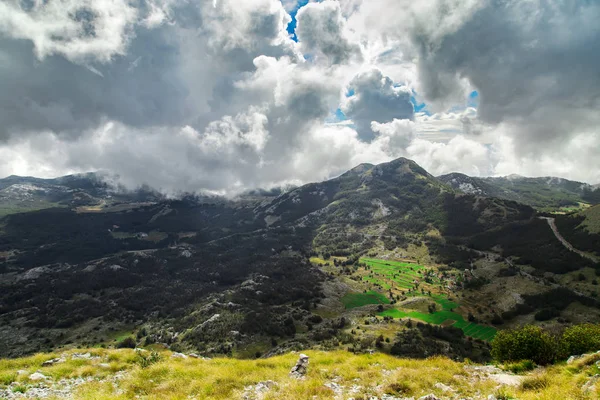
401	275
7	208
226	378
353	300
592	219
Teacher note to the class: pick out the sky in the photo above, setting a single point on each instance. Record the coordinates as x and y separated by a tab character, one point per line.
222	96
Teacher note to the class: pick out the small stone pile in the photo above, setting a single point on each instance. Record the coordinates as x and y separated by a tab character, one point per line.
299	370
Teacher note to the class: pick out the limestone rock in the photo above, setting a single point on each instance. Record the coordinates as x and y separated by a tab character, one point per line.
179	355
53	361
443	388
37	376
301	367
430	396
590	385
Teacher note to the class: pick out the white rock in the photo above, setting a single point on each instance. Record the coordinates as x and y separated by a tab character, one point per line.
443	388
193	355
179	355
36	376
590	385
337	388
430	396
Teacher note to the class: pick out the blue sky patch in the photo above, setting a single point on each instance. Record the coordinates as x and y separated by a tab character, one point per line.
419	107
473	99
291	28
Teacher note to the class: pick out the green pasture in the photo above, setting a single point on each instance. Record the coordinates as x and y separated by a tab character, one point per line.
353	300
402	275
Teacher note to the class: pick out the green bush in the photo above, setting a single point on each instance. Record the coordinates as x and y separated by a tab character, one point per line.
127	343
580	339
526	343
145	360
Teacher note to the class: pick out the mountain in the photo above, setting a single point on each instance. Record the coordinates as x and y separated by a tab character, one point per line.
541	193
18	194
274	271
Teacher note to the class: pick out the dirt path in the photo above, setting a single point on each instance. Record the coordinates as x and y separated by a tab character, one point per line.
564	241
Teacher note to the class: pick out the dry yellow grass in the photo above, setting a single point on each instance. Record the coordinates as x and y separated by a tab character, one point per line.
116	374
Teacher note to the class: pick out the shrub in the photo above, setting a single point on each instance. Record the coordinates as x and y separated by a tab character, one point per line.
127	343
520	367
579	339
546	314
145	360
526	343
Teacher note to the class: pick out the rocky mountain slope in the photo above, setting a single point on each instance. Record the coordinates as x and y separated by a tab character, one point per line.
269	272
542	193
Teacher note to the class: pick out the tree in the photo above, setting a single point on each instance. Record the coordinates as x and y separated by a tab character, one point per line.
526	343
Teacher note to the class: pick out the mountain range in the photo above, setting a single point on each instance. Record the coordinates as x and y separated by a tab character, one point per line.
85	262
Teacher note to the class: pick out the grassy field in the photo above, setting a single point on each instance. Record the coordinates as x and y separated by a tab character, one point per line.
120	374
400	275
7	209
353	300
592	219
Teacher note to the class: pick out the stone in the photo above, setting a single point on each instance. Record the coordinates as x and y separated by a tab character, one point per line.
83	356
491	397
443	388
590	385
193	355
430	396
255	392
37	376
301	367
53	361
572	359
179	355
336	387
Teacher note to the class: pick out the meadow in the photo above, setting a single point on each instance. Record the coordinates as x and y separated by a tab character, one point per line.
395	275
88	374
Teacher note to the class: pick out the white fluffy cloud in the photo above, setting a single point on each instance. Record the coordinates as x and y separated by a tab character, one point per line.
321	32
215	95
80	30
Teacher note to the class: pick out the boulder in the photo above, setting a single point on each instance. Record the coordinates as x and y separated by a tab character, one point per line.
179	355
430	396
37	376
301	367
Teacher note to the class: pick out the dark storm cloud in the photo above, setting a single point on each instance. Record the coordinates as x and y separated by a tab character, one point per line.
534	64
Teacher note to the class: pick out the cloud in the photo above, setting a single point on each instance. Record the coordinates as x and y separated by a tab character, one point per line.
80	30
321	33
375	97
216	96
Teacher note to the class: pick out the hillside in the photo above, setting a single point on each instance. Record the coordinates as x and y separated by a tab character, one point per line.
128	374
344	263
545	193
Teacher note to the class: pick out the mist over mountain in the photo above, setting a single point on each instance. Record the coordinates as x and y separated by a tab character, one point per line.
81	261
